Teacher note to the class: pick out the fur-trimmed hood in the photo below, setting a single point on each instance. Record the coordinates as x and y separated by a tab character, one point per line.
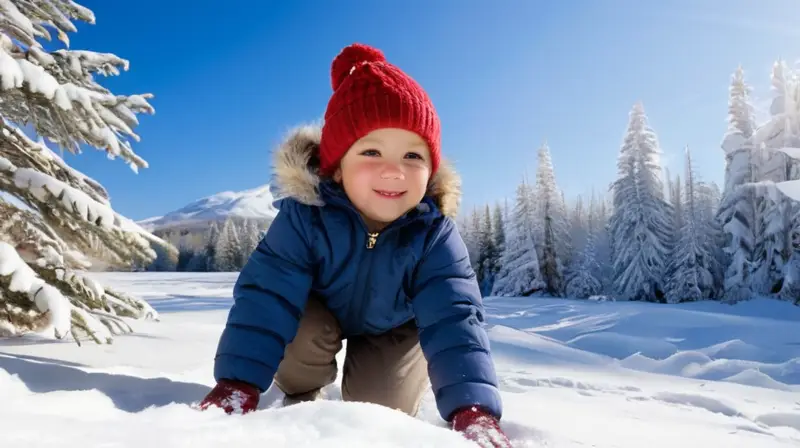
295	174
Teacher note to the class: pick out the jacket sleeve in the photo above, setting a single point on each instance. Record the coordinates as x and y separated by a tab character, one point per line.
269	298
449	312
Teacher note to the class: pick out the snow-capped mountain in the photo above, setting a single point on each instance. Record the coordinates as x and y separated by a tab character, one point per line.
255	204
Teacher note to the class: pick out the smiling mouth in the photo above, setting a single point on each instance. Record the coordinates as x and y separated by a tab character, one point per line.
390	194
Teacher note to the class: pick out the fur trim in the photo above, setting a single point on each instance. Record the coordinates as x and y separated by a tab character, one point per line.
296	161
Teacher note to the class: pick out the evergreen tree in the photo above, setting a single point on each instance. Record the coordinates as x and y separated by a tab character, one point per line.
781	135
707	204
499	226
736	216
773	209
519	273
227	252
488	255
640	224
249	240
597	225
691	276
578	225
552	224
473	239
55	221
206	260
583	282
552	269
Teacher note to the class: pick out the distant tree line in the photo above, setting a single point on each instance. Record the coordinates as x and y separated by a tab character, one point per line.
655	237
222	247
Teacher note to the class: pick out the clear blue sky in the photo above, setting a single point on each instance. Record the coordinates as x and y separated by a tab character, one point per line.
230	78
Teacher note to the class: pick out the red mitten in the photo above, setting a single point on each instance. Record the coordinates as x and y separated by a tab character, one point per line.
232	396
481	427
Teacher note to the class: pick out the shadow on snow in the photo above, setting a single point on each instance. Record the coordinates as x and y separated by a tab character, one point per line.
174	303
128	393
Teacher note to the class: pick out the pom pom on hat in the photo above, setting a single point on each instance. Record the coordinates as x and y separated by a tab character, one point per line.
349	58
370	93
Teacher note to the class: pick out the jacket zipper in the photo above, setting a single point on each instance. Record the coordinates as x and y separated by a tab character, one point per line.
364	283
372	239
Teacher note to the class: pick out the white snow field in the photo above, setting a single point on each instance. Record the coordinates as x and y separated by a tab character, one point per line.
574	374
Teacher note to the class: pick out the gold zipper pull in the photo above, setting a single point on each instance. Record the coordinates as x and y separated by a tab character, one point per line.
371	239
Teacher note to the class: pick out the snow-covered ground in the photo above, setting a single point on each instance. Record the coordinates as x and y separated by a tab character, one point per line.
574	374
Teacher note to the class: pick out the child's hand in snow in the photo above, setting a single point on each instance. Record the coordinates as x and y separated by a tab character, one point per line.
480	427
232	396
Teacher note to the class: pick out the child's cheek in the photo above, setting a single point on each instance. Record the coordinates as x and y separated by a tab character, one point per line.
365	171
359	175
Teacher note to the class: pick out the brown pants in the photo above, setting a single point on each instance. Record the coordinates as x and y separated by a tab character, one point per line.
387	369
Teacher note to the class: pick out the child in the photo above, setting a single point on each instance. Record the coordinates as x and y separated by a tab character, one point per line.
364	248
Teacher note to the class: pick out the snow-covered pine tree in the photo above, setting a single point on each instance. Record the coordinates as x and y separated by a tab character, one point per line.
54	220
506	211
597	225
583	279
488	257
463	225
551	265
640	224
564	243
519	273
249	238
676	198
499	229
675	190
472	238
578	225
552	224
707	201
227	251
736	215
780	136
691	264
773	141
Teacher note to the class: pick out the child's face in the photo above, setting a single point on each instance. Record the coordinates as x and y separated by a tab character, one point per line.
385	174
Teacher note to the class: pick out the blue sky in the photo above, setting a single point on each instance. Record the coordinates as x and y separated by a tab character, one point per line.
230	78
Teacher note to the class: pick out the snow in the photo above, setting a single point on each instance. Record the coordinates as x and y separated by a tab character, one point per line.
255	203
39	81
15	72
15	18
6	165
10	72
18	72
790	188
684	376
46	297
791	152
42	185
704	340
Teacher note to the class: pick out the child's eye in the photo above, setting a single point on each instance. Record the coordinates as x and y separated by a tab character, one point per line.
370	153
413	155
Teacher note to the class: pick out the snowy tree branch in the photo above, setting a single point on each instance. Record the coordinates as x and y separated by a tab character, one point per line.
55	220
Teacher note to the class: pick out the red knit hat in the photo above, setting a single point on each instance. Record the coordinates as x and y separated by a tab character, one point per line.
370	93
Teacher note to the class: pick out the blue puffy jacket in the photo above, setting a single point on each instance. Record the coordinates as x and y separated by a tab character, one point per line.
417	268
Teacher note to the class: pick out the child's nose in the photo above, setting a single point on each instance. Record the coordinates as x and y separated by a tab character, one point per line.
392	170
